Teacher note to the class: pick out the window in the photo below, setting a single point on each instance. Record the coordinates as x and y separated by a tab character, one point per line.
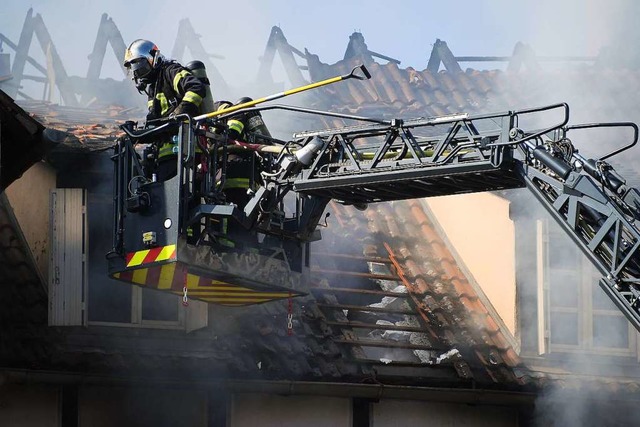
85	217
577	314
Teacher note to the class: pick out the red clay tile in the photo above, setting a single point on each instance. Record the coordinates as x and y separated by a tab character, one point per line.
473	304
461	287
440	109
413	270
428	235
510	357
421	286
438	251
460	101
431	80
441	97
491	325
448	266
500	341
418	214
402	79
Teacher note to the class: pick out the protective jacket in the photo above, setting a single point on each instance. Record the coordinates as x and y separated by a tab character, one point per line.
246	127
242	168
175	90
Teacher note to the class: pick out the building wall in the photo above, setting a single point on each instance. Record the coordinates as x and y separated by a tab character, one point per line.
141	407
99	406
479	228
249	410
39	406
29	198
387	413
28	406
285	411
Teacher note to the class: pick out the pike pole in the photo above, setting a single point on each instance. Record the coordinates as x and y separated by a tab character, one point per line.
352	75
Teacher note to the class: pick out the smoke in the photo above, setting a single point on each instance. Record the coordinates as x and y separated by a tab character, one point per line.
570	404
238	31
588	335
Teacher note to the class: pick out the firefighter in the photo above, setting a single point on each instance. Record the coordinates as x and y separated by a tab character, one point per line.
247	126
242	167
171	89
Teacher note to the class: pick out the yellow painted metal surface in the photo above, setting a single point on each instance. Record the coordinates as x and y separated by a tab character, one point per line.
159	269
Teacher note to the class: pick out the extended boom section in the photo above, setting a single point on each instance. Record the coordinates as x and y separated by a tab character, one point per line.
415	158
593	204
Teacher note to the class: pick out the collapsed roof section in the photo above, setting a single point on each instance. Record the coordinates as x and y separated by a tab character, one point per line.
23	141
92	90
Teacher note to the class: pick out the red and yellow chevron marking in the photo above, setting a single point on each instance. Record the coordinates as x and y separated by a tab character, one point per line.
172	277
162	253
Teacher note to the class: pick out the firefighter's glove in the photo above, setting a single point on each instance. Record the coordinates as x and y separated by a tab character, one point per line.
186	108
173	118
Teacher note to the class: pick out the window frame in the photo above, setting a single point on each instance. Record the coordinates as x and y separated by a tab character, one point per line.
584	309
136	314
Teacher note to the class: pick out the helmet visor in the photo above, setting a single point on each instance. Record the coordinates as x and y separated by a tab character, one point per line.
139	68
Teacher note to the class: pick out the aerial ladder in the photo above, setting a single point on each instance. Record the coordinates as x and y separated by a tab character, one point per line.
370	161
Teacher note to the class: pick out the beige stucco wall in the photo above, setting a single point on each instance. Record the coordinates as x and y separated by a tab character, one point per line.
479	228
436	414
249	410
29	198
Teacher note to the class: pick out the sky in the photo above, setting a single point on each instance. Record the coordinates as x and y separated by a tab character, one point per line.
405	30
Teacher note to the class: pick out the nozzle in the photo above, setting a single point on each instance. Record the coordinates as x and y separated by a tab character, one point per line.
306	154
292	164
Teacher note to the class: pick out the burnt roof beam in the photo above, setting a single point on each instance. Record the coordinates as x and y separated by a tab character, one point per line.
523	55
22	53
358	48
55	68
28	58
54	71
278	43
108	33
188	38
442	54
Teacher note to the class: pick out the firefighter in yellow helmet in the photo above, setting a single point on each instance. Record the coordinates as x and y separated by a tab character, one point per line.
243	166
171	89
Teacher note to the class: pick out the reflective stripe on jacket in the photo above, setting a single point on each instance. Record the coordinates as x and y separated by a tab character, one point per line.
174	87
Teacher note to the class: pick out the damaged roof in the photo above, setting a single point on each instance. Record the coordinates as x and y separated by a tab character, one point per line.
22	141
33	130
388	301
417	287
395	309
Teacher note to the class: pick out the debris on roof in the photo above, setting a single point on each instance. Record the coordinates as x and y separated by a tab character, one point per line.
387	303
22	139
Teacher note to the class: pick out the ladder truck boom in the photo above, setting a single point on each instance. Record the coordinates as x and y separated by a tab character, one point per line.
373	161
